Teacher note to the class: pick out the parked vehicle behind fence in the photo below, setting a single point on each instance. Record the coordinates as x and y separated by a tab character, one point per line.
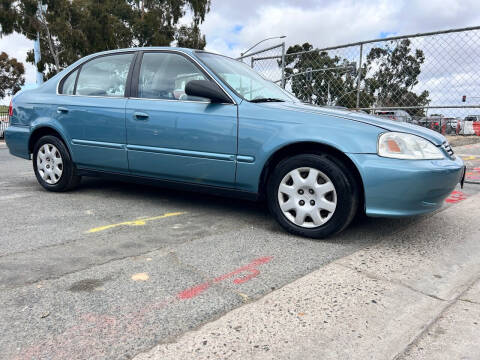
396	115
473	118
197	120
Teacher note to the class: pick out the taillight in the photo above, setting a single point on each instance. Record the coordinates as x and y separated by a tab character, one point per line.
10	109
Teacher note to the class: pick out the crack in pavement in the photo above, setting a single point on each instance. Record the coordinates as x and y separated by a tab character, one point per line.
392	281
433	321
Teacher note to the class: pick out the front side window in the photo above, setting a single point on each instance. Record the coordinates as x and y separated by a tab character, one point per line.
104	76
243	80
164	76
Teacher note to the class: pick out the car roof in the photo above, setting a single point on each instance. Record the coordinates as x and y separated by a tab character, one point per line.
151	48
146	48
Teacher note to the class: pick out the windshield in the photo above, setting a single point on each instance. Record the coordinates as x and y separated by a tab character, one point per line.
247	83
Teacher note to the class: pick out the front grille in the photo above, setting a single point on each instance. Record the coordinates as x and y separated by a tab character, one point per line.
446	146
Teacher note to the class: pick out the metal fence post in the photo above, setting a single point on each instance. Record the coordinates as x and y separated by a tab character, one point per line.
283	65
251	62
359	75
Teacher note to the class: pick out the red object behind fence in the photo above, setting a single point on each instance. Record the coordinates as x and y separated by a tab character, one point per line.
476	128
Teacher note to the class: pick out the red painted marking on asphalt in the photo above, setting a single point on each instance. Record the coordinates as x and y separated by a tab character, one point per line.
94	335
193	291
455	197
250	268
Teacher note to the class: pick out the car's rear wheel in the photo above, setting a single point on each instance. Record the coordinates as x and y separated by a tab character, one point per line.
53	165
312	195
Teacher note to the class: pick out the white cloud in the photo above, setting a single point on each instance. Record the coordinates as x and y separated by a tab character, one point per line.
17	46
325	22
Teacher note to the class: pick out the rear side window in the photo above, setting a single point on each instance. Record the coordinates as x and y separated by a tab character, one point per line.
104	76
68	85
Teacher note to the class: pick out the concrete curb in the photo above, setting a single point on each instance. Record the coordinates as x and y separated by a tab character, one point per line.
380	302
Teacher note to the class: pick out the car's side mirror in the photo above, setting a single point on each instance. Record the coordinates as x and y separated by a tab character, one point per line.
207	89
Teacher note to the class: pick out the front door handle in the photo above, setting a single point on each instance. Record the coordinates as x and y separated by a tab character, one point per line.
62	110
140	115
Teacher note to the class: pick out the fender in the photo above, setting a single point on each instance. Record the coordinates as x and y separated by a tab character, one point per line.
262	134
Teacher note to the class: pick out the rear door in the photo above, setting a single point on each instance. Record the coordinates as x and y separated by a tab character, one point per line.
173	136
91	108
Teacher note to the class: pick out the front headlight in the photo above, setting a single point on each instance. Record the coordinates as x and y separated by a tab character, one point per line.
407	146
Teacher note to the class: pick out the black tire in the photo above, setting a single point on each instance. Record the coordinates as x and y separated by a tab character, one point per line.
68	180
347	194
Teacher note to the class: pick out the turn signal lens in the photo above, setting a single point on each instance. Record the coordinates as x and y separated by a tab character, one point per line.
393	146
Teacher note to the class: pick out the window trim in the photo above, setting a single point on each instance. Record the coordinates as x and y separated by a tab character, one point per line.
79	68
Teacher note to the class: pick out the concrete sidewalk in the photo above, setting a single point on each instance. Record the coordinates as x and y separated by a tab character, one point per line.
414	295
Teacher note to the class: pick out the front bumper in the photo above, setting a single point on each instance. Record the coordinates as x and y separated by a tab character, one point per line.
395	188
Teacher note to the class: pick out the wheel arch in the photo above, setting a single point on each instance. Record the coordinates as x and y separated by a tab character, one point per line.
310	147
43	131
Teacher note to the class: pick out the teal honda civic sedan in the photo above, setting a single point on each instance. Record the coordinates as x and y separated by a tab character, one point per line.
202	121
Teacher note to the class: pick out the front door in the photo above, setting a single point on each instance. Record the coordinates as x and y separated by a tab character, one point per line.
173	136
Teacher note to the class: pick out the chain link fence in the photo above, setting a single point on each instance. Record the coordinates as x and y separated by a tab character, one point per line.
429	79
4	122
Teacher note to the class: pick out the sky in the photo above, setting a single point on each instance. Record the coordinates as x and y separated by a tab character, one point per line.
233	26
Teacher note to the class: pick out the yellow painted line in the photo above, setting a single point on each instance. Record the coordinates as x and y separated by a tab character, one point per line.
138	222
469	158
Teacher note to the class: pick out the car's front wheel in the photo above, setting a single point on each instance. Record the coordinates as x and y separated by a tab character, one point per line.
53	165
312	195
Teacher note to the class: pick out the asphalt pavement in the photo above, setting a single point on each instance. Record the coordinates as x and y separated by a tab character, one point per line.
113	269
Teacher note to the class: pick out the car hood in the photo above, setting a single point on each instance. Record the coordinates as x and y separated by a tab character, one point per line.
386	124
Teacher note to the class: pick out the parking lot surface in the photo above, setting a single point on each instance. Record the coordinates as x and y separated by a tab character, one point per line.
112	269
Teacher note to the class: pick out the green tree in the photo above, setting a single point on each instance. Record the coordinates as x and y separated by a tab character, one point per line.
71	29
11	75
190	37
317	78
387	77
396	72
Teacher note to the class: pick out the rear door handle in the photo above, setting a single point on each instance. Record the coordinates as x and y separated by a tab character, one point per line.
62	110
140	115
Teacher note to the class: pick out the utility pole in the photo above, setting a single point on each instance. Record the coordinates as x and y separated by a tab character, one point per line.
36	48
38	56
